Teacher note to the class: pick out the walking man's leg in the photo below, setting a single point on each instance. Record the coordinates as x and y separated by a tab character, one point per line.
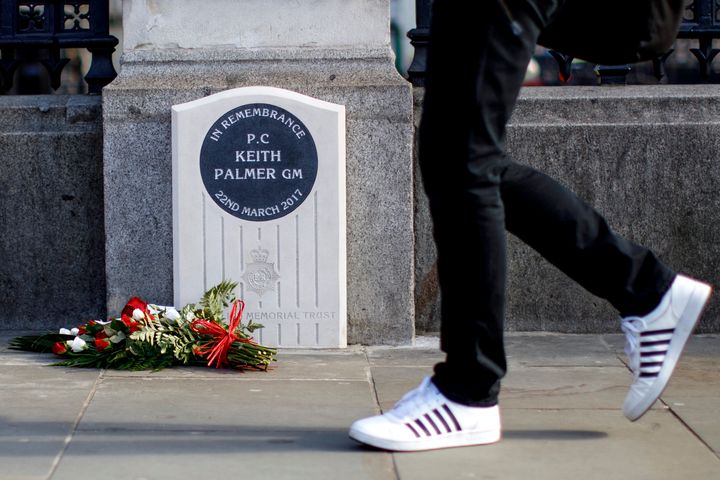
476	66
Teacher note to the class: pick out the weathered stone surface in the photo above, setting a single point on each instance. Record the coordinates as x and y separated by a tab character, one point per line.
51	212
227	24
642	156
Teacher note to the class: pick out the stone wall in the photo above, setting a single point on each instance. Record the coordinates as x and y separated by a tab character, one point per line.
645	157
52	246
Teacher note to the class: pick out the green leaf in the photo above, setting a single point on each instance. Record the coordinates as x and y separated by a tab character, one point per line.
38	343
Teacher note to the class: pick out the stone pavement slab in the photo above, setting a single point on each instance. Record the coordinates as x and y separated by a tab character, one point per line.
549	350
39	408
569	444
220	427
694	391
561	404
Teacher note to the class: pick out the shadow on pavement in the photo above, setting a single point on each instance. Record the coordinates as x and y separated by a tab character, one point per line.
37	438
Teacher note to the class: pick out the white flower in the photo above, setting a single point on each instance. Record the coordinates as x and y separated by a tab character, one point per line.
118	337
65	331
171	314
74	331
189	316
138	314
103	322
78	344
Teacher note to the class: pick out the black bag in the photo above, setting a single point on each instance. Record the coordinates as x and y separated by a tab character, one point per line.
614	32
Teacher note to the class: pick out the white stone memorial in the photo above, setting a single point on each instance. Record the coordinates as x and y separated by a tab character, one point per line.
259	198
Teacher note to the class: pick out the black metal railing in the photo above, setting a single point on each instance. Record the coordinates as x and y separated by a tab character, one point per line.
39	31
419	38
701	23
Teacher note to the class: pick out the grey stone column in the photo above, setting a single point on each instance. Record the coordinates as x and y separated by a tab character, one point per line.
338	51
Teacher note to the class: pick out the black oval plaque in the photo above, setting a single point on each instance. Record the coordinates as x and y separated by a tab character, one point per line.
258	162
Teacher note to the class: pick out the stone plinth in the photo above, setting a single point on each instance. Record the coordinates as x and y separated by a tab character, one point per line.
158	71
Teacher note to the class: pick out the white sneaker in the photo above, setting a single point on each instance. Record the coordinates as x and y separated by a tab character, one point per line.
424	419
655	341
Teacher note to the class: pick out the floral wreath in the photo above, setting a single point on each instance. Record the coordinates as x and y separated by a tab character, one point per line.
149	336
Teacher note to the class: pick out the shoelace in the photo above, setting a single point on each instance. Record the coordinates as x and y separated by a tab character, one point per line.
412	399
633	326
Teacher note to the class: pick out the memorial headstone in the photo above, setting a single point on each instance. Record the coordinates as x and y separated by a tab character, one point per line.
259	198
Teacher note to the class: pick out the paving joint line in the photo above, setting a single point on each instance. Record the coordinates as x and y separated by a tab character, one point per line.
376	397
689	428
69	437
676	415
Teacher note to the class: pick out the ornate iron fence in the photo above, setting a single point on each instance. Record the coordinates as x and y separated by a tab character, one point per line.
39	31
701	23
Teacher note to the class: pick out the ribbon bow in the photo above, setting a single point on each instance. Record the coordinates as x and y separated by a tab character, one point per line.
217	349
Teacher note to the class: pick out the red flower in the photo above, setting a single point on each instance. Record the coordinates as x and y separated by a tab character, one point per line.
132	304
59	348
131	324
101	335
101	344
90	328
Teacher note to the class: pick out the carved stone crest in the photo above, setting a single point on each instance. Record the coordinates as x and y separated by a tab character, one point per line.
260	275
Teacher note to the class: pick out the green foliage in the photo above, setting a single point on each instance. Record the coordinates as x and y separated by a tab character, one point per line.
211	306
166	336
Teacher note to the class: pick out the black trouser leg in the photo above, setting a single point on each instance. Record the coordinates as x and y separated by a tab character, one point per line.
580	242
476	67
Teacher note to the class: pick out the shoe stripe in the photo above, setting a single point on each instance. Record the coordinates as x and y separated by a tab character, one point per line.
655	343
417	435
433	424
654	371
654	353
657	332
452	417
420	424
650	364
655	338
442	419
649	374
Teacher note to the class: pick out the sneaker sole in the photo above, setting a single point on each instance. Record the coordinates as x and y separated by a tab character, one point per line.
458	439
684	328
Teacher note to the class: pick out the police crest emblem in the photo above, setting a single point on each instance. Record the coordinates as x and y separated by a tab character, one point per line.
260	275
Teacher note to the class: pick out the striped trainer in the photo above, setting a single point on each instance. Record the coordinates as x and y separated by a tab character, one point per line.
655	342
424	419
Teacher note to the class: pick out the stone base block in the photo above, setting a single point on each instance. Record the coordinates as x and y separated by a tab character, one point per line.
378	103
52	258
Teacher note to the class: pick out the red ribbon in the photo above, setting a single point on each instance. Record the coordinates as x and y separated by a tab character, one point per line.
217	349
